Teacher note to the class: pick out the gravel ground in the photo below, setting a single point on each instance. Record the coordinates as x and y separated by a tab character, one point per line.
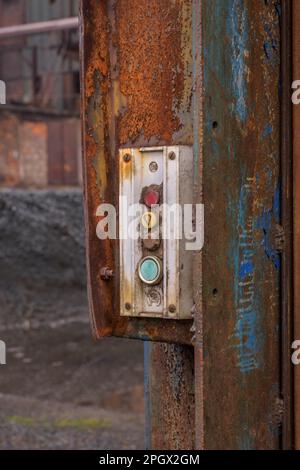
59	389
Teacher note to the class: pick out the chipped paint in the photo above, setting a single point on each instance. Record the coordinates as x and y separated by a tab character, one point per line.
241	163
237	30
247	326
265	222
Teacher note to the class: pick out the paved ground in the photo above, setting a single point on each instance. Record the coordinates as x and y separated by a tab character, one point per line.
59	390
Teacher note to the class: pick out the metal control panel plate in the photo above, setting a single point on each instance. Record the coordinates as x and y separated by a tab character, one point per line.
155	267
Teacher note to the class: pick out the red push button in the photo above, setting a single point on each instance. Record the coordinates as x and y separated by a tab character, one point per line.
151	197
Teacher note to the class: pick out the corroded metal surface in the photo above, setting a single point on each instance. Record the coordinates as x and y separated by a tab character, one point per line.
296	187
286	169
241	265
136	91
133	98
170	397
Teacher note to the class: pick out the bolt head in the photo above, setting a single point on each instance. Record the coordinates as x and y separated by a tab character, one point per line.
153	167
172	308
128	306
106	274
126	157
172	155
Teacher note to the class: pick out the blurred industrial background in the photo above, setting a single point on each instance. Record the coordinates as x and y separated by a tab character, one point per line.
59	389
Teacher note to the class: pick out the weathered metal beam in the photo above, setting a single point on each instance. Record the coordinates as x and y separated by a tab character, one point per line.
169	397
137	77
286	222
137	90
240	339
296	189
142	88
38	27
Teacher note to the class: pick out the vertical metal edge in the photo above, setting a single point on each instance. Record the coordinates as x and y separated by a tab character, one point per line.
296	224
147	385
197	103
287	224
83	153
244	381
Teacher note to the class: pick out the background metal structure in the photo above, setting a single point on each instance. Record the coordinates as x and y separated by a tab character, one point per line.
203	73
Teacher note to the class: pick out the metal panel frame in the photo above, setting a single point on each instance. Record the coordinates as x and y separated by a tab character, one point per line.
120	61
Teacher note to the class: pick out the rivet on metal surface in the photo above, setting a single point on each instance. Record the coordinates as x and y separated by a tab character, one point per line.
106	274
153	167
127	157
215	292
172	308
172	155
128	306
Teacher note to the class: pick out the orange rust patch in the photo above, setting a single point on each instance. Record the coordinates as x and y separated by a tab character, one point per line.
96	57
151	68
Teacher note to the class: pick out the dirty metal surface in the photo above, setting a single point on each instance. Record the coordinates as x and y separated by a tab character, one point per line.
240	406
170	404
296	187
137	76
286	224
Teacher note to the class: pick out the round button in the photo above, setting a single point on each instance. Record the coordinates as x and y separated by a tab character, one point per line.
151	197
149	220
150	270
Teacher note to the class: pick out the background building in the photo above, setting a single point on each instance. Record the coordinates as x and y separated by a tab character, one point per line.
39	126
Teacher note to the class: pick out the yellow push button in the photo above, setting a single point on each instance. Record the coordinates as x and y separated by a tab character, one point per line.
149	220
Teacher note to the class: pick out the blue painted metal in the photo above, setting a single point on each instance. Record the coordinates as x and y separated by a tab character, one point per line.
241	265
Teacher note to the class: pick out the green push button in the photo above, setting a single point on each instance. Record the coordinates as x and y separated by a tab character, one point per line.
150	270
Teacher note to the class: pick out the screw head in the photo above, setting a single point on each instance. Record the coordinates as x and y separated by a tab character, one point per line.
172	308
172	155
126	157
153	167
128	306
106	274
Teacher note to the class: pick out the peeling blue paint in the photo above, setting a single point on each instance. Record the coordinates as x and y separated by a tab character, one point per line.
267	131
246	331
237	30
246	268
271	45
265	223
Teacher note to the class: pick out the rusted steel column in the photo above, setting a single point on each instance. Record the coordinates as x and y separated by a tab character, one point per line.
286	238
137	91
296	187
241	383
169	392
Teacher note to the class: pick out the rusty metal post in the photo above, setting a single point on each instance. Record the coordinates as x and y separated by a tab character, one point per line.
240	402
296	191
169	397
138	90
202	73
287	269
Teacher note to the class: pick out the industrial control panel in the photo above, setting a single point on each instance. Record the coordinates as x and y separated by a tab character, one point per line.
155	231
